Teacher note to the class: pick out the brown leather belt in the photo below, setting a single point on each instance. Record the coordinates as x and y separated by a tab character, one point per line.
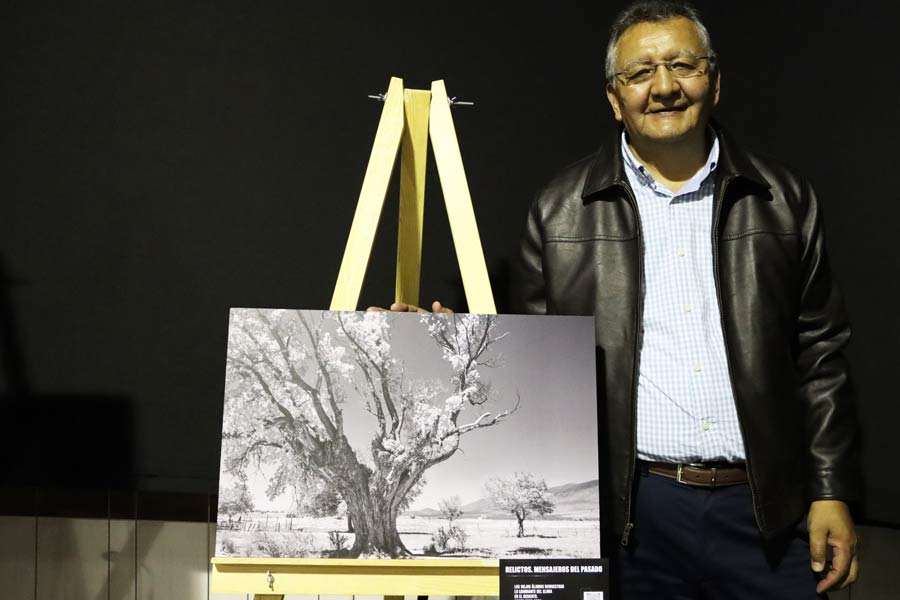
700	475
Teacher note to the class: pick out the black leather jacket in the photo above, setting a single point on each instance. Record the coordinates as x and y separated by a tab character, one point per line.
783	319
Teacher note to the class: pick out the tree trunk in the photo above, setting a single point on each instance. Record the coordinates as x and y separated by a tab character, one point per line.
372	506
375	526
521	526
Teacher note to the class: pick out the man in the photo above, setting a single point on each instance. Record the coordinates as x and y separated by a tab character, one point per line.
719	329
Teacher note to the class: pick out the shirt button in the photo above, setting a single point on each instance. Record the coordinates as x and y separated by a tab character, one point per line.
688	308
698	367
705	426
681	252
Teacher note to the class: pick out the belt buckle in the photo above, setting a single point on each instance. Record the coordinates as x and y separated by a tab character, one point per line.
680	479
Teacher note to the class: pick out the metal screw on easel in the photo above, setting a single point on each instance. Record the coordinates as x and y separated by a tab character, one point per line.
453	101
270	579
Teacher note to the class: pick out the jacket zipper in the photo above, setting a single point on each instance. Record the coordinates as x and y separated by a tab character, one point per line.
638	323
715	241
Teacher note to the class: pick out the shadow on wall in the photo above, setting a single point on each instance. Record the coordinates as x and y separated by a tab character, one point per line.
76	440
69	440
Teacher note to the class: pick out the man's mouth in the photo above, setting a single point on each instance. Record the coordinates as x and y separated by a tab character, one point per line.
668	110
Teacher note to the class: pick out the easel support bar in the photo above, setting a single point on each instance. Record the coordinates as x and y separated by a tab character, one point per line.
413	157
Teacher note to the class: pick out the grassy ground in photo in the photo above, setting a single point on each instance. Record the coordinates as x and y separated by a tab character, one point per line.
279	536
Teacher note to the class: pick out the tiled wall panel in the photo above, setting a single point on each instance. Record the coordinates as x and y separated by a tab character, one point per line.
172	559
17	536
122	561
96	559
71	558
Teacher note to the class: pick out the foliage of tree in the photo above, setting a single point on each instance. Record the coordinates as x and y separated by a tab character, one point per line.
522	495
324	504
290	375
235	500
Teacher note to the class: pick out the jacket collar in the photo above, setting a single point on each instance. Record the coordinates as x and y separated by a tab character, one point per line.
608	167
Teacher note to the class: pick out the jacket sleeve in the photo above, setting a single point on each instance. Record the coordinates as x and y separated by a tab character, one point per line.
528	290
824	385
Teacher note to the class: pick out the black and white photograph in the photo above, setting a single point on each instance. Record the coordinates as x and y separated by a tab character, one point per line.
401	435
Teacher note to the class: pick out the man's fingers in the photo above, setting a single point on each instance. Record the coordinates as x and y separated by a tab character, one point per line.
403	307
830	525
840	569
437	307
817	543
836	577
854	573
396	307
827	582
842	563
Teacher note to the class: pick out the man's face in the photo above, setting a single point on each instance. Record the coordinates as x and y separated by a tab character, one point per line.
664	109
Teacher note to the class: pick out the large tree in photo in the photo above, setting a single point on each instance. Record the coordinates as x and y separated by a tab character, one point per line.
290	375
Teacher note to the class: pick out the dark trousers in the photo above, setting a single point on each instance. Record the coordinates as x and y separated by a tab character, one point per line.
698	543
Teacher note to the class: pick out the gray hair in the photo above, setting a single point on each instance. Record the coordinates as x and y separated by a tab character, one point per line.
651	11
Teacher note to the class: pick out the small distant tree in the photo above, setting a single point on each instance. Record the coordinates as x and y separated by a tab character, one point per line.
454	537
235	500
451	509
521	495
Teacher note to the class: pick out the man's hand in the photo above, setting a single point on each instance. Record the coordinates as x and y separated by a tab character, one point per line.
436	307
830	524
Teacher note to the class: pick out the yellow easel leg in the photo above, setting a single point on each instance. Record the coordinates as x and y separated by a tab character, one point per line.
371	200
459	204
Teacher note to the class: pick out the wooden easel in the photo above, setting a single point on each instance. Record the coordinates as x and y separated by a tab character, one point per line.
412	115
409	116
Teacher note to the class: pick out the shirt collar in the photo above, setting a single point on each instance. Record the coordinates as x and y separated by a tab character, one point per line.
638	172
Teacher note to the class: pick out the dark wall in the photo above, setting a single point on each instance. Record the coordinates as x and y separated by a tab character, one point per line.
163	165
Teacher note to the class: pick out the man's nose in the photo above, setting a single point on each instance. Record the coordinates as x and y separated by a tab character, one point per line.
663	84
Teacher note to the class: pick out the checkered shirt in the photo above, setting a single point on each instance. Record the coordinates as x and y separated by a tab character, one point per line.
685	403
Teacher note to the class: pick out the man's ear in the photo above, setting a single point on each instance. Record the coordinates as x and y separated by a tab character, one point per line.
614	101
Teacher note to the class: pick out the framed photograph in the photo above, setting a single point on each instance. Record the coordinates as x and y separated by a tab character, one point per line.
398	435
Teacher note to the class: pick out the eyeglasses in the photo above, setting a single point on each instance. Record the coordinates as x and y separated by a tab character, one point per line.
683	67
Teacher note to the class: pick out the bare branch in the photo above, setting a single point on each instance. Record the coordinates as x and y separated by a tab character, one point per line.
475	423
296	378
499	337
306	432
382	427
383	376
324	374
479	424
